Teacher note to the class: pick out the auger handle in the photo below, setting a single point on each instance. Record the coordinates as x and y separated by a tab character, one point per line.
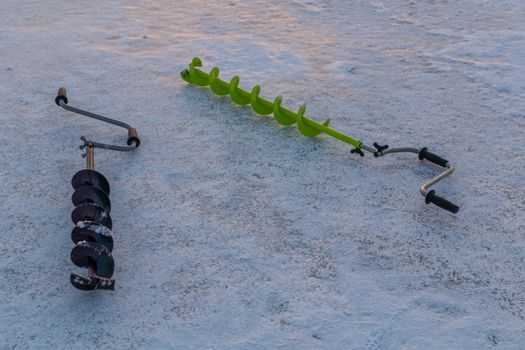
441	202
430	196
133	140
431	157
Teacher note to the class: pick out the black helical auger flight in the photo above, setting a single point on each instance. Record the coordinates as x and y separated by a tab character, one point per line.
92	232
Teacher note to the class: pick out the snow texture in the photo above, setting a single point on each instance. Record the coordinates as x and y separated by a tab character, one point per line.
232	232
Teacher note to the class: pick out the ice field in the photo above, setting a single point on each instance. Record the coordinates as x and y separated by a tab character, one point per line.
233	232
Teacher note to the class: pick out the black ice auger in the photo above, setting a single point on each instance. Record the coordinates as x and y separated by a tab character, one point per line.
92	233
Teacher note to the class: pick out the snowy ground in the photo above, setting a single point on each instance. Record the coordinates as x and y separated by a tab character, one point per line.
233	232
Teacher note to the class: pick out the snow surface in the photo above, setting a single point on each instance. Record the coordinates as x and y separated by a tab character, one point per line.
233	232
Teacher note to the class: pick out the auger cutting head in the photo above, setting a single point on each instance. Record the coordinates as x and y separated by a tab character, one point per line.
92	232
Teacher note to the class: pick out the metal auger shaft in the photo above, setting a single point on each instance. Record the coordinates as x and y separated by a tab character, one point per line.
90	156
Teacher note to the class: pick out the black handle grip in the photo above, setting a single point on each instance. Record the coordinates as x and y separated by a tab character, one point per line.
133	137
61	96
441	202
431	157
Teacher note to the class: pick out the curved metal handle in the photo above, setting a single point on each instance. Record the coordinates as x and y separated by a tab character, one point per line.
430	196
133	140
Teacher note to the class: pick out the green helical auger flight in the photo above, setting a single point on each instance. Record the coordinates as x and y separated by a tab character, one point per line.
310	127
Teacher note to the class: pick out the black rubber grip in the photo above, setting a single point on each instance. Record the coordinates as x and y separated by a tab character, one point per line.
431	157
60	98
441	202
134	140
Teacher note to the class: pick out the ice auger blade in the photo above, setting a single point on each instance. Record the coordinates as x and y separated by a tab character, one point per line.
308	127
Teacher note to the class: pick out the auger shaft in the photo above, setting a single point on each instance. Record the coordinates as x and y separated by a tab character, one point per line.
90	156
336	134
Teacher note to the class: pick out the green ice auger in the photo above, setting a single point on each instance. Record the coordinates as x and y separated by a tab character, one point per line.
309	127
